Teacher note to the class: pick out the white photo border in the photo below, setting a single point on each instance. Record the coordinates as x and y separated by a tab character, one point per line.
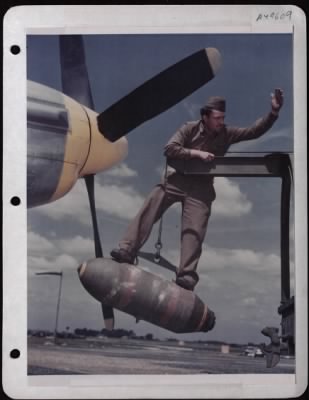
24	20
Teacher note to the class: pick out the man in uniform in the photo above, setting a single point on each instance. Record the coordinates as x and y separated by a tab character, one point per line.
204	139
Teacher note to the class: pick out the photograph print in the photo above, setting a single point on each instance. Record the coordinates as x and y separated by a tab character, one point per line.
160	222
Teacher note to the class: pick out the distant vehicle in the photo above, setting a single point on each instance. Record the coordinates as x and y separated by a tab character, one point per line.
252	351
259	353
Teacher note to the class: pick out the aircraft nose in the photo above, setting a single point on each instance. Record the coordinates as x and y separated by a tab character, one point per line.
103	154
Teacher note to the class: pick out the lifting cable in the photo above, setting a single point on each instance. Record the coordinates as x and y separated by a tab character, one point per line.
159	245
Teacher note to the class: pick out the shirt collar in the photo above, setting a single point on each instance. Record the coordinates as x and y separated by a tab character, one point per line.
203	130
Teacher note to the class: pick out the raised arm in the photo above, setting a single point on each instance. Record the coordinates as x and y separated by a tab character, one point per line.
261	126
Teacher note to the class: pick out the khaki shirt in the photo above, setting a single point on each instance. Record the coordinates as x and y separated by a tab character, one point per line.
194	135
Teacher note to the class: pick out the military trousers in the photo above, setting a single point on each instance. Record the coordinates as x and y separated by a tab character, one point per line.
196	197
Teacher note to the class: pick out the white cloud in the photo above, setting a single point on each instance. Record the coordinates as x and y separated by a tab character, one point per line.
37	244
120	201
123	202
42	264
232	260
64	254
238	259
74	204
230	201
78	246
121	171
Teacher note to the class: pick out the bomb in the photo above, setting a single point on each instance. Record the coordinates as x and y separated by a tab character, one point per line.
145	296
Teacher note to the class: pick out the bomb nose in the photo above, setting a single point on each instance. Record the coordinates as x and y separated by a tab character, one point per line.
81	269
210	321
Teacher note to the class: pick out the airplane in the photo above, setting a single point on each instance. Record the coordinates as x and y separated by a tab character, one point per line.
67	139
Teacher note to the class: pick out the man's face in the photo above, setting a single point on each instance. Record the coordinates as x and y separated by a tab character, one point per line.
214	121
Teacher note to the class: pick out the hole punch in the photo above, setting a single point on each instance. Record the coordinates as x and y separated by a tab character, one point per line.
15	353
15	49
15	201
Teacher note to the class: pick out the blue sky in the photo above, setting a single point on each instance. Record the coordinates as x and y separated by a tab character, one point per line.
240	266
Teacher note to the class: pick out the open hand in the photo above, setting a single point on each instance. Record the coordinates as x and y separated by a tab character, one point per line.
277	100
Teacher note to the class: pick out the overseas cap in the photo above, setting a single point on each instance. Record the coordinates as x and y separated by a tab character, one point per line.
214	103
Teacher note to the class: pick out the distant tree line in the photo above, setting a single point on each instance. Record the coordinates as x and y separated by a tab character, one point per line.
120	333
85	332
105	332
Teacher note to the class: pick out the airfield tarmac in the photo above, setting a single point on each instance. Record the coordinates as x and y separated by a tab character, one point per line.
127	356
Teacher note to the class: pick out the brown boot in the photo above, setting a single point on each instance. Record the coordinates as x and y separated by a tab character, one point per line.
123	256
184	284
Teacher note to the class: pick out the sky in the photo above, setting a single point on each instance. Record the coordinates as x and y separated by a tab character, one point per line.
240	265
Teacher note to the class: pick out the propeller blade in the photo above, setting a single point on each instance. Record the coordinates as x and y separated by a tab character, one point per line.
159	93
75	83
74	72
108	312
